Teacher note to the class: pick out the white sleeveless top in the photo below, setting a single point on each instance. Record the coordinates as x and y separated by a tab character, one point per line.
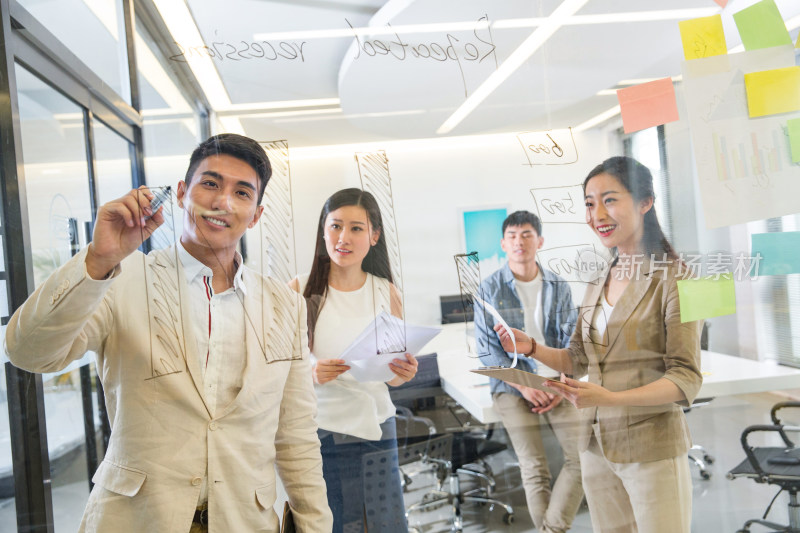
344	404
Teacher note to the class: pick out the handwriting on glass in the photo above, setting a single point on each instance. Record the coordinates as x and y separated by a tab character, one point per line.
576	263
560	204
554	147
449	49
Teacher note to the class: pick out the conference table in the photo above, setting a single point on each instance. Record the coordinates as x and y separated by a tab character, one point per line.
723	375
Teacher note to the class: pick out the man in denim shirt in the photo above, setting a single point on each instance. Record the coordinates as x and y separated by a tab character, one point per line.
538	302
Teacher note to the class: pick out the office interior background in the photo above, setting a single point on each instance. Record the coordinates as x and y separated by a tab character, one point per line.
99	96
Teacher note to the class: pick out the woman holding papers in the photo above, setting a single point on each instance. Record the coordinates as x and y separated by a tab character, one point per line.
349	285
643	363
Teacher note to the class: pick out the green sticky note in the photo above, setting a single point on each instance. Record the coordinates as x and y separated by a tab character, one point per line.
793	129
780	253
761	26
706	297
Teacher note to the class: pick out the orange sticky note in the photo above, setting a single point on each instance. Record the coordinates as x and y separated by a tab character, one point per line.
647	105
703	37
722	3
770	92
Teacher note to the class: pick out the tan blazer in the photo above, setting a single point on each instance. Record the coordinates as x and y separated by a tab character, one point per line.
163	438
644	341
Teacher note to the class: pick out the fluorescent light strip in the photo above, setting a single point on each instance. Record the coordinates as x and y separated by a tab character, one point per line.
643	16
528	47
184	30
278	104
502	24
599	119
300	112
348	117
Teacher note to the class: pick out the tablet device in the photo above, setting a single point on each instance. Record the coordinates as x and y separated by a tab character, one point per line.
516	376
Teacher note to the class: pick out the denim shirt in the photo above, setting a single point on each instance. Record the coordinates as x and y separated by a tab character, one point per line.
499	289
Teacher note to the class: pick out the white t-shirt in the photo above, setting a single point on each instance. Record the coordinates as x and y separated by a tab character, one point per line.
345	405
530	296
602	313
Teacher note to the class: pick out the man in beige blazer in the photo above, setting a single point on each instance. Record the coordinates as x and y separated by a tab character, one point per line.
204	362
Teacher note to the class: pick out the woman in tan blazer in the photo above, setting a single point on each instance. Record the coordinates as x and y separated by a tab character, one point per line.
643	363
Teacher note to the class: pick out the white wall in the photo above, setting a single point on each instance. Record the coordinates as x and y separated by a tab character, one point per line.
433	181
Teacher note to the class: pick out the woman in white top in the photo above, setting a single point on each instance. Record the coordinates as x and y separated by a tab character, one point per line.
350	283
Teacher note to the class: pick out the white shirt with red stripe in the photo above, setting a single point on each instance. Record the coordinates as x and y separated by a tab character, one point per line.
218	324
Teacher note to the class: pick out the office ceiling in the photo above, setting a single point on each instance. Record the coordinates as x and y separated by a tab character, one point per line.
388	89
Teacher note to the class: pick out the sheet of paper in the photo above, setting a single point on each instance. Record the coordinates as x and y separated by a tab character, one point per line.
770	92
375	368
492	311
706	297
703	37
362	354
516	376
780	253
647	105
744	167
761	26
793	130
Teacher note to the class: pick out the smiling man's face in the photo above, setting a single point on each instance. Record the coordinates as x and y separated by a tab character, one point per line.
220	203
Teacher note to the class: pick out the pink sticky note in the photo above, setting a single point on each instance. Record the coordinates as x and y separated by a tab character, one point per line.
647	105
722	3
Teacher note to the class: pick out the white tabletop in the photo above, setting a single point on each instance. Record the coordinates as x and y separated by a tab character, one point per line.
723	375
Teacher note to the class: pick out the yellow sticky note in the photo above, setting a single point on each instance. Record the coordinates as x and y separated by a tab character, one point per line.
703	37
770	92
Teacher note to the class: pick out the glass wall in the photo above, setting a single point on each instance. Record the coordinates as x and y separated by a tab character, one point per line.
171	127
112	163
95	34
59	206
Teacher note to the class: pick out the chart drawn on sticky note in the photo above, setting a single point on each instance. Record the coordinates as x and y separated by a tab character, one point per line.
744	165
752	154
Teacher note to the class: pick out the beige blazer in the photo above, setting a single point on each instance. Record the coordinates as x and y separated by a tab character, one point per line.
644	341
163	438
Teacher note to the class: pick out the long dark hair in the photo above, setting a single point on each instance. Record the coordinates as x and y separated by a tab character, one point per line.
376	261
638	180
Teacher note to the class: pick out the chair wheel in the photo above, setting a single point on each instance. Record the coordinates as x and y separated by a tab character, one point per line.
508	518
708	459
705	475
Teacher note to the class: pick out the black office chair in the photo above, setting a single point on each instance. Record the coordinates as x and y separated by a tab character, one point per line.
774	465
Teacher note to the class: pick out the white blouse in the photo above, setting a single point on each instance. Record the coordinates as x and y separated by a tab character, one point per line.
344	404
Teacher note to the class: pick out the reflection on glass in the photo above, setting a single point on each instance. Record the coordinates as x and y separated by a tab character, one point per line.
57	191
95	34
171	129
113	163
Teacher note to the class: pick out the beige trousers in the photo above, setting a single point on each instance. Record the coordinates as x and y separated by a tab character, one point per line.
652	497
552	510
